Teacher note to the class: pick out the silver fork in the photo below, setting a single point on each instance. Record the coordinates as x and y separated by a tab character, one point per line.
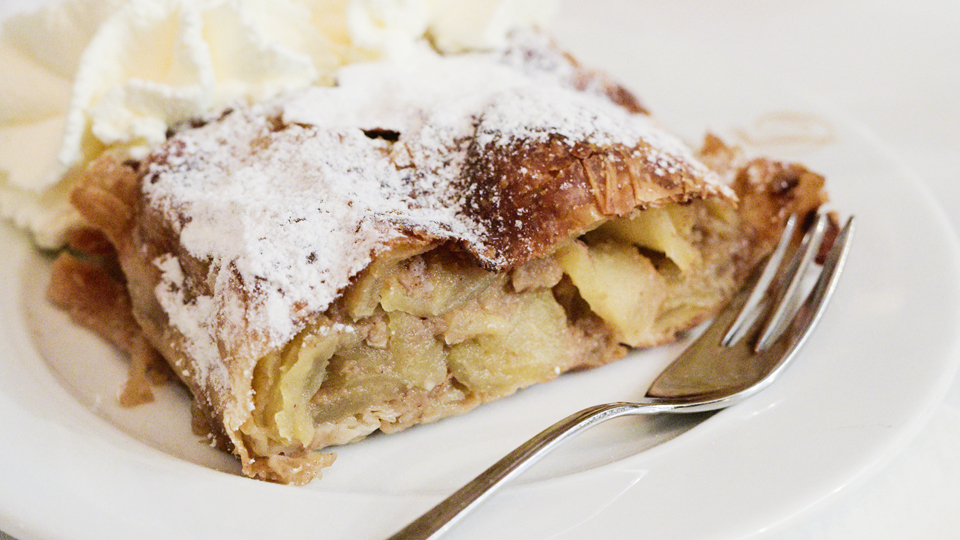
746	347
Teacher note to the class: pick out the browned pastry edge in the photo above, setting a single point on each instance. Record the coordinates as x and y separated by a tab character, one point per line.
95	298
531	197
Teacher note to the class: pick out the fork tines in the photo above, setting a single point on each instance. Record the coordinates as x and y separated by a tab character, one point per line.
777	299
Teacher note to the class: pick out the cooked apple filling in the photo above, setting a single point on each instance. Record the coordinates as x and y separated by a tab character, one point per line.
424	335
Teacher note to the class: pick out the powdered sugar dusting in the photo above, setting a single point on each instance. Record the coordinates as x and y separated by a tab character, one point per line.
256	204
449	95
289	200
193	317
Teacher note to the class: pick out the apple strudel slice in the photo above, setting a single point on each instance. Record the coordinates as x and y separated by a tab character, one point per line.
420	239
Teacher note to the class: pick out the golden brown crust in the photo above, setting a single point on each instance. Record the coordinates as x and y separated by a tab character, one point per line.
94	299
769	191
98	300
109	201
533	196
298	469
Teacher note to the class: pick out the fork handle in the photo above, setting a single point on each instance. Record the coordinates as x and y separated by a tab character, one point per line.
442	516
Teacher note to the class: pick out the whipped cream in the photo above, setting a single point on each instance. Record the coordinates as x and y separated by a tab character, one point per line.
464	25
98	75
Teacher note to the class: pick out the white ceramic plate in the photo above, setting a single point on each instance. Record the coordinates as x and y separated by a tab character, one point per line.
73	465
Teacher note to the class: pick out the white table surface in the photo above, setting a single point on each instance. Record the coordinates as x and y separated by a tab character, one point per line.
893	66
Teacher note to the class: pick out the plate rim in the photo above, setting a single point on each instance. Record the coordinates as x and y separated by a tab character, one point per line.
873	462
